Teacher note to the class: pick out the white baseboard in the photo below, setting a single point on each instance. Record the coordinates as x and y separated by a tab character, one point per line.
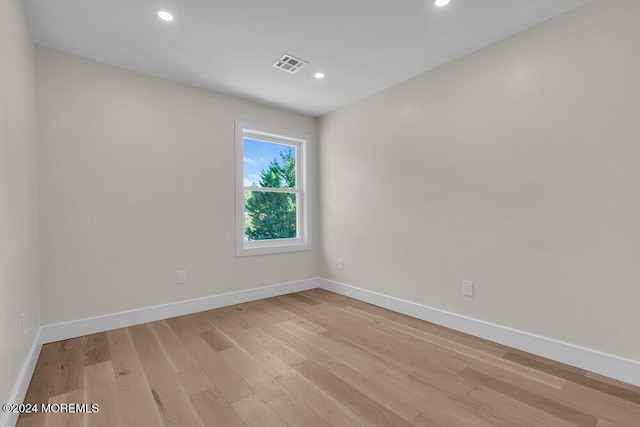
22	383
92	325
605	364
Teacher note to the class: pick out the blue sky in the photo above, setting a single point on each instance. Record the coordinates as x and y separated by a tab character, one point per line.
257	155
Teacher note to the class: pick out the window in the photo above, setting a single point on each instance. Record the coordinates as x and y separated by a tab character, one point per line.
272	197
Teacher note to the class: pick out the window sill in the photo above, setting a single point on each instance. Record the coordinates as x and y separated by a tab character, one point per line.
272	249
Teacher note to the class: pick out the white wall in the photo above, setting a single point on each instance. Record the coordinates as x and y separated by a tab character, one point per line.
516	167
19	287
137	183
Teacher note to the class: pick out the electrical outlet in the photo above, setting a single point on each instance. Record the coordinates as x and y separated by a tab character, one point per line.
23	322
182	277
467	288
340	264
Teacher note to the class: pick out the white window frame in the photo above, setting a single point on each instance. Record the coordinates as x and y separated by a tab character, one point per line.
303	201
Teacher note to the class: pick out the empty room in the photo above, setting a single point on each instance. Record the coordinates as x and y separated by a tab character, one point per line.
339	213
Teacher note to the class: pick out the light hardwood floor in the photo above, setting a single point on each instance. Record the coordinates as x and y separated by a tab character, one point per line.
314	358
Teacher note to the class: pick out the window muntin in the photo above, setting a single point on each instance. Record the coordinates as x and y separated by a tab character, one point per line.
272	196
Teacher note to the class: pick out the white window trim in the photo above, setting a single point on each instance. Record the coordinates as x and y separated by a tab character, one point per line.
302	140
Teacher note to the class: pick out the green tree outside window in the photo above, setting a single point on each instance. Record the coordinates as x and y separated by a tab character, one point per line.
272	215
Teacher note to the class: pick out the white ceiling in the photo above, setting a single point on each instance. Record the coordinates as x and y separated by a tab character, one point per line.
363	46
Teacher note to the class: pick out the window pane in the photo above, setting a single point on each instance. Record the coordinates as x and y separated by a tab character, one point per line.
267	164
269	216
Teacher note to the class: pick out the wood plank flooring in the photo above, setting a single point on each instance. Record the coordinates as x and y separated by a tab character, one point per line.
314	359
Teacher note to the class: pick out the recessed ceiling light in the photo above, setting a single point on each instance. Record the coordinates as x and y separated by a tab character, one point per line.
441	3
165	16
319	75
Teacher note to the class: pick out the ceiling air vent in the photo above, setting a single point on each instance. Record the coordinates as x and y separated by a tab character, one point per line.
289	63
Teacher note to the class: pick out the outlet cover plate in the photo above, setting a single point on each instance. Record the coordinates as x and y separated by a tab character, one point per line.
23	323
467	288
182	277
